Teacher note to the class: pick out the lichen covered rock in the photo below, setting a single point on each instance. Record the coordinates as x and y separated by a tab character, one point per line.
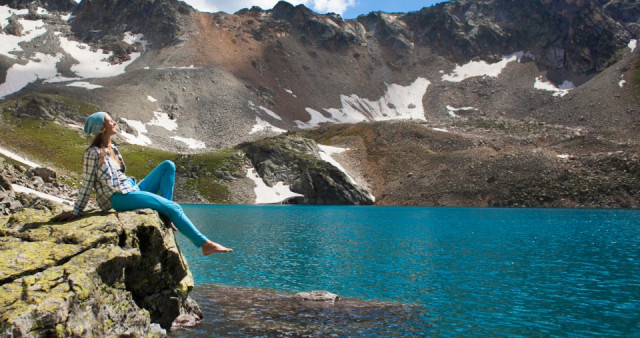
103	274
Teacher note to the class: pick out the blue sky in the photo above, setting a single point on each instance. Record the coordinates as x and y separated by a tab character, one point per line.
349	9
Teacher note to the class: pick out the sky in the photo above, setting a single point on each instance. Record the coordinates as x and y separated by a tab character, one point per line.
348	9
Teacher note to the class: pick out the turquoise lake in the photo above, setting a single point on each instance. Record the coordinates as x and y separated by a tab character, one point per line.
417	271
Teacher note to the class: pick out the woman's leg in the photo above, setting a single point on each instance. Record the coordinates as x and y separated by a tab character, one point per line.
142	199
160	180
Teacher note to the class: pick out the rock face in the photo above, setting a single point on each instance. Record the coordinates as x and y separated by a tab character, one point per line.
100	275
296	162
162	22
574	35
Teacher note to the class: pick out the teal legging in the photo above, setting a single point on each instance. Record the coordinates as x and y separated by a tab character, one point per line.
156	192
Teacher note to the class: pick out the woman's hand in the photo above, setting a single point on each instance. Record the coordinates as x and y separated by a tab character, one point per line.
65	217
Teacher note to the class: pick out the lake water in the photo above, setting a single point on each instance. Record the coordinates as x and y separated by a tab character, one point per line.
417	271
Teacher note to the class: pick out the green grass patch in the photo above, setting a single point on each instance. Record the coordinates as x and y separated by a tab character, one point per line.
32	126
208	168
46	142
141	160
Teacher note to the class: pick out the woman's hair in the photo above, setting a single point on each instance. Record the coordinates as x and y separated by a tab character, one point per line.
97	142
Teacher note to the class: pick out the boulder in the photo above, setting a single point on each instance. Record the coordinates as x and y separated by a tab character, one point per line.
296	162
104	274
317	296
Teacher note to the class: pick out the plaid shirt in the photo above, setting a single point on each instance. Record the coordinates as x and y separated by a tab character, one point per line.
106	179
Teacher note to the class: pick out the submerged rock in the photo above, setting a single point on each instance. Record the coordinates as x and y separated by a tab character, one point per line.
258	312
317	296
105	274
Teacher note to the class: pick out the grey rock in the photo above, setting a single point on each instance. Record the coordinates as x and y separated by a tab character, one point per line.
317	296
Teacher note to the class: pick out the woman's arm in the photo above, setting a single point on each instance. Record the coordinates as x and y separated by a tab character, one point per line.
90	166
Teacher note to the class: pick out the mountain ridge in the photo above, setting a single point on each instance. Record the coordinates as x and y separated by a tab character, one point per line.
207	81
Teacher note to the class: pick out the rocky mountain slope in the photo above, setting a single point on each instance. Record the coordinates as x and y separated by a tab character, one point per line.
507	81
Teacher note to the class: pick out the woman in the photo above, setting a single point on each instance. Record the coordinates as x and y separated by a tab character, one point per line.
104	172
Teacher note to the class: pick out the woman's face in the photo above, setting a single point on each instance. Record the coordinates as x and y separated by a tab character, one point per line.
109	126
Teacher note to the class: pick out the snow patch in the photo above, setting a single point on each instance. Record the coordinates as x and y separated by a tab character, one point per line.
270	113
290	92
93	64
131	38
183	67
141	139
18	158
191	143
163	120
452	111
561	90
632	45
622	81
19	76
398	103
262	125
315	120
60	78
441	130
563	156
270	195
19	188
325	154
6	12
482	68
84	84
151	98
11	43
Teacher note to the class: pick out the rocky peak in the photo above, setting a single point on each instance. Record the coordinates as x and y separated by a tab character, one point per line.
163	22
627	12
574	35
327	31
388	30
51	5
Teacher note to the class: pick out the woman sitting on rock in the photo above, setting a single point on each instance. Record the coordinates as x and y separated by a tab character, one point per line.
104	172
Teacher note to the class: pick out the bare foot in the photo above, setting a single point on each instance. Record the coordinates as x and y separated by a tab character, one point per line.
210	247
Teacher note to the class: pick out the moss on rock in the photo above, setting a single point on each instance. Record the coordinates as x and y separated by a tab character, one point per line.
101	275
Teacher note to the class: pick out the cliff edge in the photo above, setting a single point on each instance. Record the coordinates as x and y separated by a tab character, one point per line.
104	274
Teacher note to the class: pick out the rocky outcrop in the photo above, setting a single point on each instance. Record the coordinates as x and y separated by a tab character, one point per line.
296	162
626	12
162	22
574	35
101	275
52	5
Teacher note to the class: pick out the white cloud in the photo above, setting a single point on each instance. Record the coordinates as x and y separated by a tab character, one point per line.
320	6
333	6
